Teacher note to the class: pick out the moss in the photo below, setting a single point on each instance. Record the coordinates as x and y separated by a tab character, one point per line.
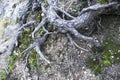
3	74
10	68
17	20
103	1
12	60
111	52
94	63
111	55
24	42
4	22
45	4
33	58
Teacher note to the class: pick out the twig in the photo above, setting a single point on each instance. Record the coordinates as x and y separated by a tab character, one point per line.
39	26
65	12
37	48
74	43
27	25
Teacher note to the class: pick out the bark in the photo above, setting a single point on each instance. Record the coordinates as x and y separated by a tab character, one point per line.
69	26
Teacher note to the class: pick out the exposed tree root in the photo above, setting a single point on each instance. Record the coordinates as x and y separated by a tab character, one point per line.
68	27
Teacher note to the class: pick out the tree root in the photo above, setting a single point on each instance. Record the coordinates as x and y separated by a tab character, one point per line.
68	27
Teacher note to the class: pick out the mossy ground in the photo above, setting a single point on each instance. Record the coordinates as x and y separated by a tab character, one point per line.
97	61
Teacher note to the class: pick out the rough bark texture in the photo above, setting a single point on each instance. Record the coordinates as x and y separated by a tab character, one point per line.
65	58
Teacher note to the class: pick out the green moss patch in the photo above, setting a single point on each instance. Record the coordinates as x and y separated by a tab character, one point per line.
111	55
